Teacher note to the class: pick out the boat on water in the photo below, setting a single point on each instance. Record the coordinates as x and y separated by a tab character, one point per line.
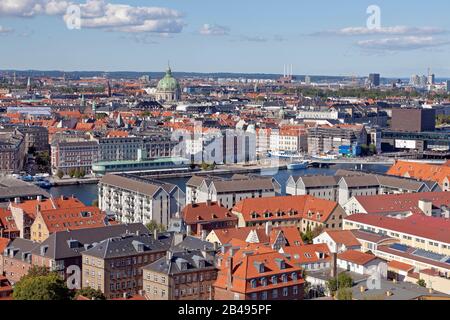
285	155
298	165
327	157
44	184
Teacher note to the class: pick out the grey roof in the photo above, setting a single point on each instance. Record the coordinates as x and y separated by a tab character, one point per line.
20	246
318	181
181	262
193	243
12	188
140	186
130	244
244	185
360	181
57	244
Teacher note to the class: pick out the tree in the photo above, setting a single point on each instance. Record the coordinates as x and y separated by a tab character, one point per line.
153	226
422	283
41	286
372	149
77	173
309	235
344	294
72	173
60	174
343	281
36	271
90	293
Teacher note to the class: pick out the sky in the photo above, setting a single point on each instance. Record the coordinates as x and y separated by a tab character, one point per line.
321	37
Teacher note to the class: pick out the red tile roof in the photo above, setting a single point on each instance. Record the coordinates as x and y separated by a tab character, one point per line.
206	212
422	171
7	222
394	264
437	229
291	207
308	253
30	206
73	218
345	237
3	244
357	257
407	202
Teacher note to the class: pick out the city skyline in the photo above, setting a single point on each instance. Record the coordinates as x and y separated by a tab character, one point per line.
323	38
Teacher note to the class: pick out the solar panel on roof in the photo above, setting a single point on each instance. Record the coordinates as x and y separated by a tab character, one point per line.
399	247
428	255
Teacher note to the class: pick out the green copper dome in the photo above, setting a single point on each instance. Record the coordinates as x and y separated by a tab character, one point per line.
168	83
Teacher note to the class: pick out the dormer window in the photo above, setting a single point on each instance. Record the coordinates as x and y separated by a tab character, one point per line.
253	283
267	215
264	282
294	276
274	280
284	278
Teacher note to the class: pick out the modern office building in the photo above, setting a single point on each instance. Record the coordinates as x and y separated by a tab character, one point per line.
413	120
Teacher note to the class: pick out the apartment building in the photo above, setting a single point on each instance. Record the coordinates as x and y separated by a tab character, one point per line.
304	212
73	155
203	217
254	272
181	275
15	261
114	265
24	212
65	219
346	184
138	199
63	249
423	171
13	151
228	192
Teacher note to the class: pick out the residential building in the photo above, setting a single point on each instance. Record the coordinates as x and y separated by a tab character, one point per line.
13	151
114	265
255	272
138	199
65	219
15	261
8	228
204	217
310	257
228	192
24	212
63	249
73	155
361	263
305	212
183	274
423	171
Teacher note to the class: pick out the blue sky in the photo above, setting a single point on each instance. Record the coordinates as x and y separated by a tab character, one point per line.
254	36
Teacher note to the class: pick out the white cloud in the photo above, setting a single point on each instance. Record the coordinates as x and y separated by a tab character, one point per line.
214	30
253	38
395	30
402	43
101	14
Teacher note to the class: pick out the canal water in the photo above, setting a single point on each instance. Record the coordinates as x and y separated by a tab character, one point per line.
88	193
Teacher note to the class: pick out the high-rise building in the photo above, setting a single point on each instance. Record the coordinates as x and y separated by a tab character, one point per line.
448	86
374	79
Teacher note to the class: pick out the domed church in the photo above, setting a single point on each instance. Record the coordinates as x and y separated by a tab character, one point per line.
168	88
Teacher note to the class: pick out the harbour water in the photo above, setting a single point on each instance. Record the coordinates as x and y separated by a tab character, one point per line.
88	193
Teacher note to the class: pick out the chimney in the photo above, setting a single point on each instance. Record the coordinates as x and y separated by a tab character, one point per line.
155	235
208	203
426	206
268	228
38	208
17	200
229	273
188	230
204	234
39	198
169	256
333	265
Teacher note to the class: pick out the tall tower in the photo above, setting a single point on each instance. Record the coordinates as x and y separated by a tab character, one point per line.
29	84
